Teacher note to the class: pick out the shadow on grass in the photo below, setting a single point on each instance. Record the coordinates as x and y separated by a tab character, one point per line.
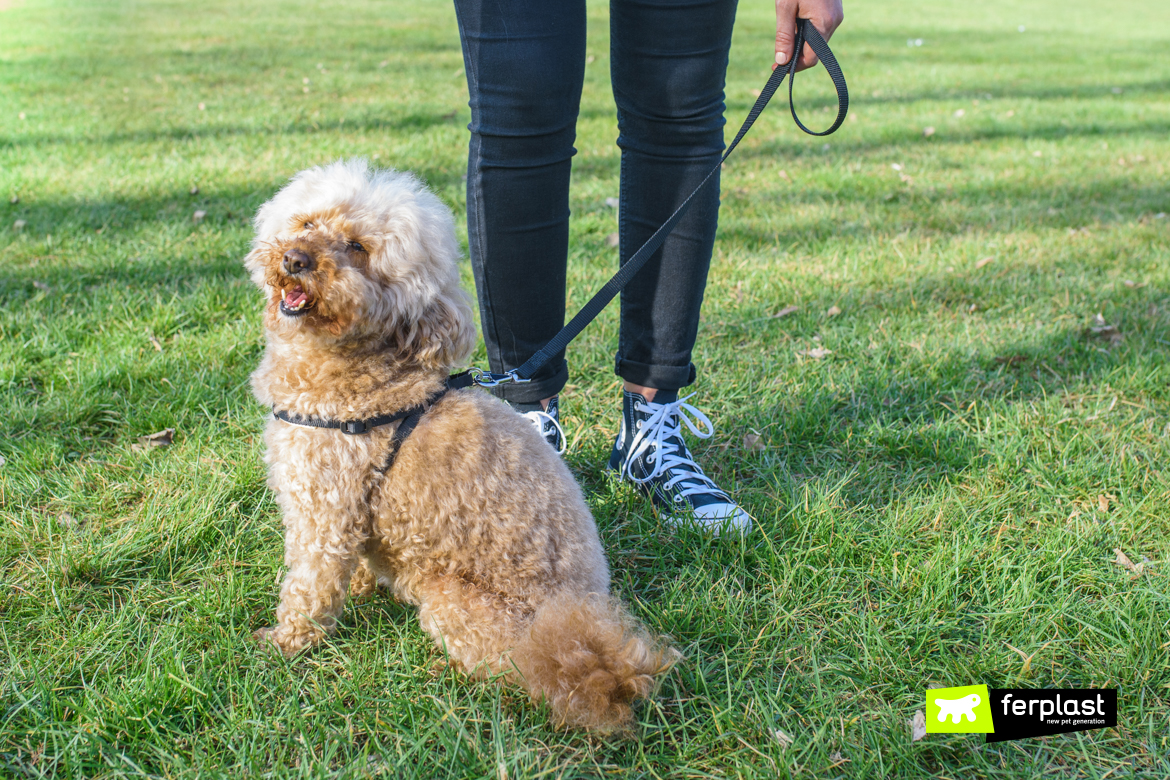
390	122
232	209
899	406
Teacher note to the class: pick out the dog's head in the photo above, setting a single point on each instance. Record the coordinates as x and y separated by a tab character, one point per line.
347	255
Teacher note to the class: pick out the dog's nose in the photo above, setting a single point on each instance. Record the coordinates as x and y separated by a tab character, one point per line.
296	261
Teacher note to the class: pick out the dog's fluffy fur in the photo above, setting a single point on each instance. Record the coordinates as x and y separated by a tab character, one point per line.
478	522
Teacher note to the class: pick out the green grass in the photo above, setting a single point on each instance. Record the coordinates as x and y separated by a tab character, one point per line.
927	496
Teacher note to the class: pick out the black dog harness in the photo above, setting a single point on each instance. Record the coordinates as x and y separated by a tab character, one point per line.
409	417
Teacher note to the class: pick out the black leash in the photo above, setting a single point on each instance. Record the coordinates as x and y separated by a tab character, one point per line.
805	33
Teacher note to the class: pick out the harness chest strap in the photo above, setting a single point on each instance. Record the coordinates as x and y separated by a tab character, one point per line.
409	417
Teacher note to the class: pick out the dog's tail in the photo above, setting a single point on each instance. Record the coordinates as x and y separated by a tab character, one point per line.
589	660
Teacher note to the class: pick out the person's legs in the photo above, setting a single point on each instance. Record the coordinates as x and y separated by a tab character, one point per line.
669	61
525	62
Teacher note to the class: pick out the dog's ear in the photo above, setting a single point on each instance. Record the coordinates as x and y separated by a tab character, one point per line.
255	263
444	335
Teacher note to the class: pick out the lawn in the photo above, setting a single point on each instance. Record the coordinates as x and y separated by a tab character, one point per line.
944	446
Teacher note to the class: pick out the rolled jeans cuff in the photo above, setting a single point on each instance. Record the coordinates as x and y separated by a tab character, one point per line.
536	390
658	377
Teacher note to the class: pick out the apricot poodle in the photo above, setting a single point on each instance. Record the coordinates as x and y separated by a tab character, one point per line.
472	517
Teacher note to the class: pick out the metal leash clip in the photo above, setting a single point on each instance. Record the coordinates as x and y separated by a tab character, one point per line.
490	379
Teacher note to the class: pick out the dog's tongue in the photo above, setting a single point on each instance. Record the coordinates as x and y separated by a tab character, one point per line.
295	297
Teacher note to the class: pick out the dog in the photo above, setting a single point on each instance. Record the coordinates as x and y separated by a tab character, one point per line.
473	517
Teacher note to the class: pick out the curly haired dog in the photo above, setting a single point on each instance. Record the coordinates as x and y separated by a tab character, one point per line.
476	521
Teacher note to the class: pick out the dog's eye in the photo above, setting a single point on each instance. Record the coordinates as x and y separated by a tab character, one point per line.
356	246
308	226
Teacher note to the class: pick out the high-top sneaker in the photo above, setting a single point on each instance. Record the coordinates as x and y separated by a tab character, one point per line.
650	452
546	420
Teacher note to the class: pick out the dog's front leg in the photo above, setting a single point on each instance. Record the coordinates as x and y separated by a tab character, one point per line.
313	594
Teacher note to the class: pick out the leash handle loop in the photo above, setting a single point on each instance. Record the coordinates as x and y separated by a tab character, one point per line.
805	33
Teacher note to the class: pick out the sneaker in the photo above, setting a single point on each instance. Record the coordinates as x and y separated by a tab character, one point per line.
651	453
547	421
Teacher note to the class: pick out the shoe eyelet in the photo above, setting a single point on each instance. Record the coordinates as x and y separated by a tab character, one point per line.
639	425
678	499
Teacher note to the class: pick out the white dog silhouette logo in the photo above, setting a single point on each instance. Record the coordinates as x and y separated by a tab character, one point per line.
958	708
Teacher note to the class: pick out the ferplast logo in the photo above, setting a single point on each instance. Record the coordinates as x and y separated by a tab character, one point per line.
1021	713
962	710
1017	713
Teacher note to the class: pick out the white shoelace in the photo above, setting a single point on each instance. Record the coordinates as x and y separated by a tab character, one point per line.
664	423
540	419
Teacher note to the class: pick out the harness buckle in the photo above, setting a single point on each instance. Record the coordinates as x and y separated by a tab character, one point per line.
353	427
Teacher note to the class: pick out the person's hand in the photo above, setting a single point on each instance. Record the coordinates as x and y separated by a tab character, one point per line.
825	15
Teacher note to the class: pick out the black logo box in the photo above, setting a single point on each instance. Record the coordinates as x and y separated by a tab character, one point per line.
1018	713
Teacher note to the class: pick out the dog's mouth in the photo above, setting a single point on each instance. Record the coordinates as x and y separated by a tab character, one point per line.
296	302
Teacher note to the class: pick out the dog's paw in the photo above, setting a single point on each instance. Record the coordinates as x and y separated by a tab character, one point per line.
274	638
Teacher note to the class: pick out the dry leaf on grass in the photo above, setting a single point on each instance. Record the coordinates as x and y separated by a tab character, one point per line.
70	522
194	190
753	442
1101	330
928	131
816	353
613	203
781	737
833	311
1123	560
918	726
786	311
1026	669
784	175
984	261
199	215
613	240
2	461
161	439
18	225
42	287
1103	503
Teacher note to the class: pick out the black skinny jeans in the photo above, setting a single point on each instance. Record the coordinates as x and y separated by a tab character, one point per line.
525	62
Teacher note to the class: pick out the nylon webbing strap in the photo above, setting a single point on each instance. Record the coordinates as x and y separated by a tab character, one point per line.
409	417
805	33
